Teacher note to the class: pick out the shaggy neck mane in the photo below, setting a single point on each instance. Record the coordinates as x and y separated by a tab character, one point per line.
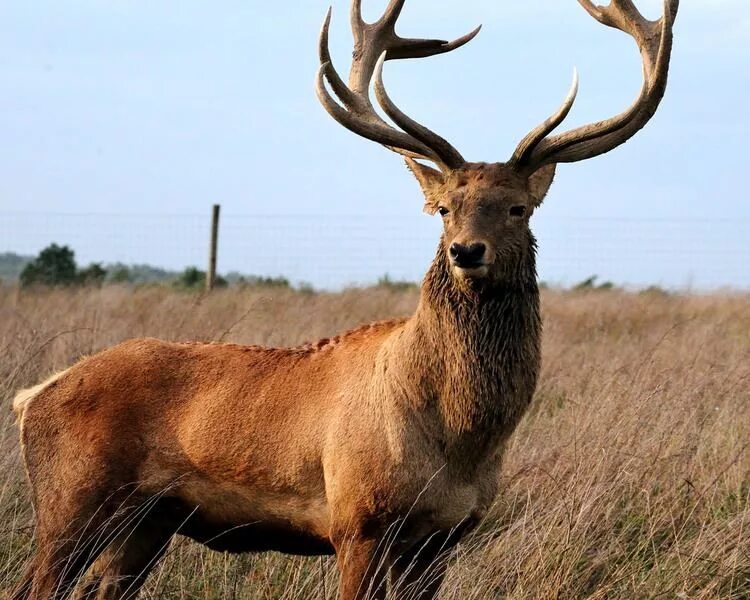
480	347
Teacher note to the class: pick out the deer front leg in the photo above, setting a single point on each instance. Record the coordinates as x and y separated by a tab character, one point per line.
418	571
362	564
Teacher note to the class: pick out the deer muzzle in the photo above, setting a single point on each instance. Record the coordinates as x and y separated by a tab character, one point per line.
468	256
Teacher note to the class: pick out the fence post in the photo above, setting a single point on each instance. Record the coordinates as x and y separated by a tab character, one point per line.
211	272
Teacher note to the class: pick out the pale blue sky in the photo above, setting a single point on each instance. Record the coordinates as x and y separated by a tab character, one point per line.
165	107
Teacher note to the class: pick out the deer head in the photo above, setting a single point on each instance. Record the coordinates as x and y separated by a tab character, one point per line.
486	206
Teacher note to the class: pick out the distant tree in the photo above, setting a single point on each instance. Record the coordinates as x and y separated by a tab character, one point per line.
12	264
586	284
192	278
94	274
305	288
120	274
655	290
246	281
55	265
591	284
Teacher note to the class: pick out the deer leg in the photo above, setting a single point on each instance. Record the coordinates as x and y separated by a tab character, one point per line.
62	554
363	569
72	530
418	572
121	570
418	578
23	589
55	569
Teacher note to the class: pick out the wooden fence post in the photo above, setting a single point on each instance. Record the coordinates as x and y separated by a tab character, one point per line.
212	251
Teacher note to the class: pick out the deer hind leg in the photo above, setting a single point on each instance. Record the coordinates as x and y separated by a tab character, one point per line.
23	589
118	539
81	478
61	558
121	570
80	507
37	581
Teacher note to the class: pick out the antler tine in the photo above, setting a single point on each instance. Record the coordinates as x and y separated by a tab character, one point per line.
393	12
337	84
609	15
357	114
448	154
370	127
355	15
542	130
613	14
372	39
623	15
654	39
417	48
595	11
373	42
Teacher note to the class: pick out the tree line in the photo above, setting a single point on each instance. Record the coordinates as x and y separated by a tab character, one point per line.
55	266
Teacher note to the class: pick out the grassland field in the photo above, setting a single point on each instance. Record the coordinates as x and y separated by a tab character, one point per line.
629	477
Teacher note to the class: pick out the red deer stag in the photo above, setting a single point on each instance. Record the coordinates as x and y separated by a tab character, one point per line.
382	445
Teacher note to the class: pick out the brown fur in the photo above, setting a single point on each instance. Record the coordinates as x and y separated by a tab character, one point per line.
375	445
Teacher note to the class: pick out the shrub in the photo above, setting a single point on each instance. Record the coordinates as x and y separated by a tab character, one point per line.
590	284
121	274
54	266
94	274
192	278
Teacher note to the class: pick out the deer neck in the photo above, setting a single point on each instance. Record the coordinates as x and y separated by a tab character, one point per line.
476	353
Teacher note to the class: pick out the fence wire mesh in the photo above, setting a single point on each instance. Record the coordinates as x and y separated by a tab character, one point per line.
335	251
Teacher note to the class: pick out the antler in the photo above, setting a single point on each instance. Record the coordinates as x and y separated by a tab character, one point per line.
654	39
375	43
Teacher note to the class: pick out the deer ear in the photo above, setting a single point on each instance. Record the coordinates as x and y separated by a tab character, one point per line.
429	180
540	182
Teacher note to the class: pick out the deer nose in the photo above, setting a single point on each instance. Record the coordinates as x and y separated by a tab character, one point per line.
468	257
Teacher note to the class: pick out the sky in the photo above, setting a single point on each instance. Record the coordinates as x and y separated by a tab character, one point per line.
123	121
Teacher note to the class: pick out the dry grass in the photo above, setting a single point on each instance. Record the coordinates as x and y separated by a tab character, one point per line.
630	477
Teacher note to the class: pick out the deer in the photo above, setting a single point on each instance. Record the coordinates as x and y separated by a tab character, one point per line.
381	446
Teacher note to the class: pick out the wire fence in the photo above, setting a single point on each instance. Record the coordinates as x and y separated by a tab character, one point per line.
335	251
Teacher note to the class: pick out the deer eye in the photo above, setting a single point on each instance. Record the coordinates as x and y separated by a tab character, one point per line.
443	211
518	211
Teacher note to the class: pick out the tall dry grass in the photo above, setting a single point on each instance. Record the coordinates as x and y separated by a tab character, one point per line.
629	478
